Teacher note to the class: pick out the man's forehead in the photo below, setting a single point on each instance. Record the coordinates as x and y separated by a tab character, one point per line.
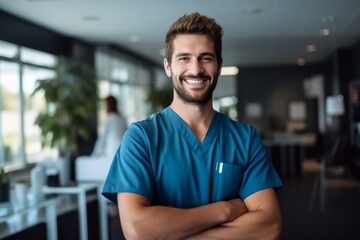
201	42
185	36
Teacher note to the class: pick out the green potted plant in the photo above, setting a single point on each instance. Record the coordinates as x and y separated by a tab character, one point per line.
71	102
159	98
4	186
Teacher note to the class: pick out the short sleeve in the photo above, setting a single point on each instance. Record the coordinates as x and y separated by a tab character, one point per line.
130	170
260	172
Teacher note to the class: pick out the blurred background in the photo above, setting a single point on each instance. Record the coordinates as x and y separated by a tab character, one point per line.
291	69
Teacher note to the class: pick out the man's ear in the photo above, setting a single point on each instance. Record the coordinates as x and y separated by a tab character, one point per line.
167	67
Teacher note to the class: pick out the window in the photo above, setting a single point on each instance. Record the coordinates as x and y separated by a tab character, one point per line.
8	50
128	80
19	136
32	106
10	113
36	57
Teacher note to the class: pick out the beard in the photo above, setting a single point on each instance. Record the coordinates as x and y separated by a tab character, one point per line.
188	98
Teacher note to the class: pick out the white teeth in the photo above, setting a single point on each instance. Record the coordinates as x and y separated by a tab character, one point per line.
193	81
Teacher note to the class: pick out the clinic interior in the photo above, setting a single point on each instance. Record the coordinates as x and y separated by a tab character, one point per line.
309	121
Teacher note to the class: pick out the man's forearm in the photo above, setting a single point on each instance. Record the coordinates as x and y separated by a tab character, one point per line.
157	222
141	221
263	221
251	225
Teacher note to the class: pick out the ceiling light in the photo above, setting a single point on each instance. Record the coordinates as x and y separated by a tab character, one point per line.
134	38
311	48
300	61
324	32
226	71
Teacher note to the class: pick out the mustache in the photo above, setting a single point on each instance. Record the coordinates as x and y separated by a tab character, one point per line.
200	75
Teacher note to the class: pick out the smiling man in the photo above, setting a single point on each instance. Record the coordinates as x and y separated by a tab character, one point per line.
189	172
193	68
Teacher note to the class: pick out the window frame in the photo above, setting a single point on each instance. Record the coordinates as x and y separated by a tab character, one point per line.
23	158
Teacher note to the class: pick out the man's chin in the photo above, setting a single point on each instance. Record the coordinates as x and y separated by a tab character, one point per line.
196	100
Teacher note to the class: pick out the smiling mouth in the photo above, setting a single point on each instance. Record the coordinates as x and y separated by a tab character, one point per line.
194	81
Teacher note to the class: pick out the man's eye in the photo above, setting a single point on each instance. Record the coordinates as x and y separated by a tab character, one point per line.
183	59
206	59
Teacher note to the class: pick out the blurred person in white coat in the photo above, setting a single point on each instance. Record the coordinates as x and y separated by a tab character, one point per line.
95	166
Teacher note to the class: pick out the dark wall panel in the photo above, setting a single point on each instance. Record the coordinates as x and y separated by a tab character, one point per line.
356	62
274	88
20	32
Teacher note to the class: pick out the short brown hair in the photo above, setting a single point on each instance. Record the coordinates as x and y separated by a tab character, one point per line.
194	23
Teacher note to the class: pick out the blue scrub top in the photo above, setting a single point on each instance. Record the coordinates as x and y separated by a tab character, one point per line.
161	159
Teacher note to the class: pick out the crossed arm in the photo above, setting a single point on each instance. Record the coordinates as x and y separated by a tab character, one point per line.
257	217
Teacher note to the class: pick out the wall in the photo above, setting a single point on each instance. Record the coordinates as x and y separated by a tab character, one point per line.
356	62
274	88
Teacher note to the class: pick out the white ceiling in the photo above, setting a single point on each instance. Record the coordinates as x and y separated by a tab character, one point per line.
277	34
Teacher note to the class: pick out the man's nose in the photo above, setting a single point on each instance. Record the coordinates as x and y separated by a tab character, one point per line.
196	67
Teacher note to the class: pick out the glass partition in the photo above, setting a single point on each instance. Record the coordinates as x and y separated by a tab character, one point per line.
32	106
8	50
28	55
10	113
19	69
126	79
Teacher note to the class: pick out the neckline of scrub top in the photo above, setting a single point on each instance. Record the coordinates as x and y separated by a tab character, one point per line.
210	137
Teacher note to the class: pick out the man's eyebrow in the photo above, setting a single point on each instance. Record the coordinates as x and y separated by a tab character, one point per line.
182	54
201	55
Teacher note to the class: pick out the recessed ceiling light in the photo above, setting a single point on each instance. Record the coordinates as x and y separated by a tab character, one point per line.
134	38
226	71
300	61
311	48
324	32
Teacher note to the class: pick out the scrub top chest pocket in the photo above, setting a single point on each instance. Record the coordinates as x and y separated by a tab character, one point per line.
227	181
